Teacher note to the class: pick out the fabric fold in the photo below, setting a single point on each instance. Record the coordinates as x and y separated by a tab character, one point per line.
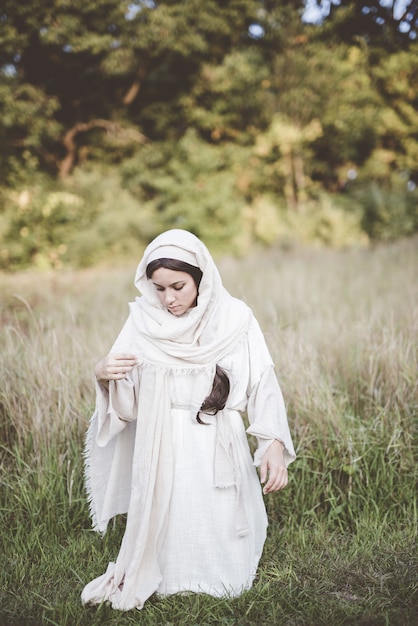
227	471
136	574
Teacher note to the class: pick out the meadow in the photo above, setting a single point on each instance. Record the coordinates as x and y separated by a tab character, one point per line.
341	548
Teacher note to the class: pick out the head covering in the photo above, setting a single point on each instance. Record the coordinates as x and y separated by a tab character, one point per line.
172	252
205	332
183	246
165	345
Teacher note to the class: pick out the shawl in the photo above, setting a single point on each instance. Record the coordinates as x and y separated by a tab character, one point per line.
129	469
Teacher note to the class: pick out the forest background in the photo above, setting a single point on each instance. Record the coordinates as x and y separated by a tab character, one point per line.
240	121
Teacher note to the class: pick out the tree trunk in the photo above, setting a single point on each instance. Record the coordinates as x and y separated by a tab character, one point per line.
134	89
69	140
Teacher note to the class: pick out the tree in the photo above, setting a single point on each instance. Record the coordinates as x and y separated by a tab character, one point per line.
387	23
232	112
51	54
109	65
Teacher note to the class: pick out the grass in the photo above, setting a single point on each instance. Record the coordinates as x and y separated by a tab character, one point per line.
341	548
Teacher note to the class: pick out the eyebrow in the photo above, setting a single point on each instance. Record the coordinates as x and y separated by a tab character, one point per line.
178	282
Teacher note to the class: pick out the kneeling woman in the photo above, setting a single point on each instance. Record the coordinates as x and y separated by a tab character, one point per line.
167	444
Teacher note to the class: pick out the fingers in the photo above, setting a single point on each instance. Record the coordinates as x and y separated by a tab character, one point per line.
122	360
263	472
278	479
115	366
119	365
273	466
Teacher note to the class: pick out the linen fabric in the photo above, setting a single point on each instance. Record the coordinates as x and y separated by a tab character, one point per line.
196	518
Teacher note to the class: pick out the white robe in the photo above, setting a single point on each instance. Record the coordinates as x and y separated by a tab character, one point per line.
213	534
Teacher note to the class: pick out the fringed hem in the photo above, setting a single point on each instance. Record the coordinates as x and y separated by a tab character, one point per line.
98	526
88	443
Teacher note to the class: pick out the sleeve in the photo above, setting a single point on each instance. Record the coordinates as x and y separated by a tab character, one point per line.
266	409
115	407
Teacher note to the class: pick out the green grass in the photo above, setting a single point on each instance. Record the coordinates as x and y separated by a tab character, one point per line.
341	548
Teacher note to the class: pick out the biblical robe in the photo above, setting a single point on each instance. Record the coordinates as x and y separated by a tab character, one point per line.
208	535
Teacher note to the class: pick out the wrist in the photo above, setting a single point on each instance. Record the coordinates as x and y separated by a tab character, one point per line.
98	372
103	383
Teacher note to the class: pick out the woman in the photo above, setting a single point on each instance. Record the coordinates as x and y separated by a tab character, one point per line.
167	444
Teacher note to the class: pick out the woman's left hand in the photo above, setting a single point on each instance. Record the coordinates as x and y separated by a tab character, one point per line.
274	468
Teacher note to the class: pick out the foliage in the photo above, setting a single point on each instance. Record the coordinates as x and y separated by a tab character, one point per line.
109	214
225	118
227	100
397	82
91	220
385	25
389	211
196	189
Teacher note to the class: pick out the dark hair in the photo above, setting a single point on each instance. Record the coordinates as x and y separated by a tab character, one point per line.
176	265
217	398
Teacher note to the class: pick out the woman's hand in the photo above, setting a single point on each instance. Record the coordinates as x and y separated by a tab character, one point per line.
114	366
273	466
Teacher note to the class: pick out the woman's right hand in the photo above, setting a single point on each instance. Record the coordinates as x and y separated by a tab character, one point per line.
114	366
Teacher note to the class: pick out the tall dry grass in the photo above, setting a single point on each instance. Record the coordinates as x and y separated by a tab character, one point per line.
53	328
341	327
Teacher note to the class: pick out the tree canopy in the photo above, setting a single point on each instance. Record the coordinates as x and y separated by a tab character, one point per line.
239	120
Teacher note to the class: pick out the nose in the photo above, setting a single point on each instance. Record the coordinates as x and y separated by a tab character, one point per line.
169	297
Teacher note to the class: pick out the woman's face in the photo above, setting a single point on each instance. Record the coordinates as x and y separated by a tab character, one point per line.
177	291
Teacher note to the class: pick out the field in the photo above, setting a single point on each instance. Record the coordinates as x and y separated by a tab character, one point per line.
342	540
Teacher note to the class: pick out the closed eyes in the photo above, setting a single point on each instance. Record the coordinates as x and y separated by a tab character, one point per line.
176	287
